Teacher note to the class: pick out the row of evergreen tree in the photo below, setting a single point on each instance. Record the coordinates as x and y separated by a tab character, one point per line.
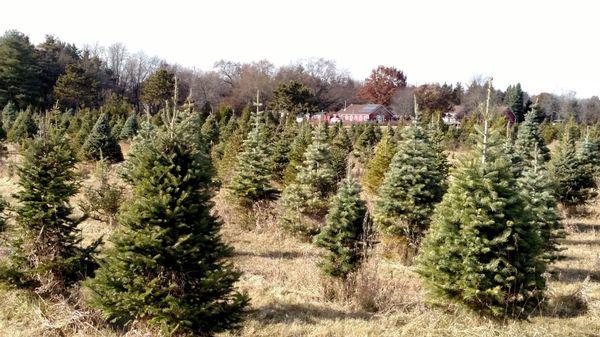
480	241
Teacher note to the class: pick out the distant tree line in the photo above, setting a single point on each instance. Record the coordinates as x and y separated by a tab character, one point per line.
119	80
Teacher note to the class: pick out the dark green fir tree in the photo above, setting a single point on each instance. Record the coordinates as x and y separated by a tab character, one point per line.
305	201
537	189
252	179
573	179
341	147
48	254
9	115
130	128
210	130
528	138
297	149
168	265
101	143
343	235
411	188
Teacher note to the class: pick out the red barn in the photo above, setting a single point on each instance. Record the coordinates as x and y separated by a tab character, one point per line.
365	112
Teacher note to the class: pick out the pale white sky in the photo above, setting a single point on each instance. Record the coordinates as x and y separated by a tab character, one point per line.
546	45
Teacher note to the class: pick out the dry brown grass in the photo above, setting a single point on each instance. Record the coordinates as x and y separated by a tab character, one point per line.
288	297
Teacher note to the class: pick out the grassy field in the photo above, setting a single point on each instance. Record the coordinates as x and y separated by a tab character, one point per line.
289	297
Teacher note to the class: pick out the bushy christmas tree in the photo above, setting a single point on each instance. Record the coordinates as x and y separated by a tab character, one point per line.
23	127
437	139
363	147
341	147
168	265
573	179
307	198
210	130
130	128
481	250
252	179
528	138
101	143
411	188
342	236
9	115
47	252
536	188
281	150
379	164
589	153
298	148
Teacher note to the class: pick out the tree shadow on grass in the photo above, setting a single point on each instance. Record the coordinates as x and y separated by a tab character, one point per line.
572	275
286	255
305	313
581	242
582	227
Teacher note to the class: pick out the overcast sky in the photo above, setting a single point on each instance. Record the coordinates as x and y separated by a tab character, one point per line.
546	45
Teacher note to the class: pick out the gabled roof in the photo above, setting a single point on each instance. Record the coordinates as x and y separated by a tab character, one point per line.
360	109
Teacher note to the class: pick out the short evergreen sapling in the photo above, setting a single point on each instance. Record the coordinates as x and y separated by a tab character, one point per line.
9	115
297	149
23	127
102	202
101	143
589	153
281	151
130	128
536	188
341	147
47	251
308	196
529	137
168	265
411	188
363	147
481	250
437	140
252	179
210	129
343	234
379	164
573	179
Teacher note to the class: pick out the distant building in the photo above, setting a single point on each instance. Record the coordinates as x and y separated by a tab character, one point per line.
451	119
360	113
322	116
